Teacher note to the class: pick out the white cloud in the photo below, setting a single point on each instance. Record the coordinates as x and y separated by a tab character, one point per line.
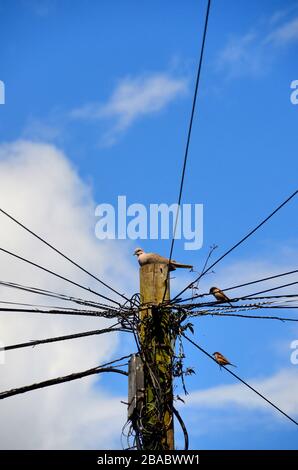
39	186
285	33
254	52
280	388
241	55
132	99
236	409
43	131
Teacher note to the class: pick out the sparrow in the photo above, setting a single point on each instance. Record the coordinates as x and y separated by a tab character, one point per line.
220	295
153	258
222	360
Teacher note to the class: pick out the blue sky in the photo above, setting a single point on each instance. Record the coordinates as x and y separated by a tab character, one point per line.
110	84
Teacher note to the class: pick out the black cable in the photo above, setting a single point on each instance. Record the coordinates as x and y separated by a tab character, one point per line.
59	380
66	378
241	285
264	279
263	305
241	380
280	307
89	313
218	314
221	305
58	275
237	244
183	427
62	254
276	297
230	308
37	290
190	130
3	302
270	290
55	295
62	338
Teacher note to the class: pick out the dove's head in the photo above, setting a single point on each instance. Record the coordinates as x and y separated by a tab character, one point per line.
138	252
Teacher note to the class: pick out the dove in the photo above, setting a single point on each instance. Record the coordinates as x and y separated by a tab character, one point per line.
220	295
153	258
222	360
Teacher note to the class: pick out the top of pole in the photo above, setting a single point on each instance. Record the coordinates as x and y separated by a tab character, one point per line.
153	282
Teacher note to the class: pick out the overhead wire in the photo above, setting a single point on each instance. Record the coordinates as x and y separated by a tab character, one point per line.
24	304
61	253
48	293
270	290
34	343
189	131
67	378
261	302
241	380
21	258
183	427
224	314
241	285
251	232
89	313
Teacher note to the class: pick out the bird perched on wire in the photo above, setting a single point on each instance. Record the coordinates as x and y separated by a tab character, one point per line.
220	295
222	360
153	258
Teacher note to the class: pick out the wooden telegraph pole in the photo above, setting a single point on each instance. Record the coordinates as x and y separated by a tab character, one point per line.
156	344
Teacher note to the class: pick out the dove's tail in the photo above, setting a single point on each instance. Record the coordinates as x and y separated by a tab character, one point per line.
180	265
